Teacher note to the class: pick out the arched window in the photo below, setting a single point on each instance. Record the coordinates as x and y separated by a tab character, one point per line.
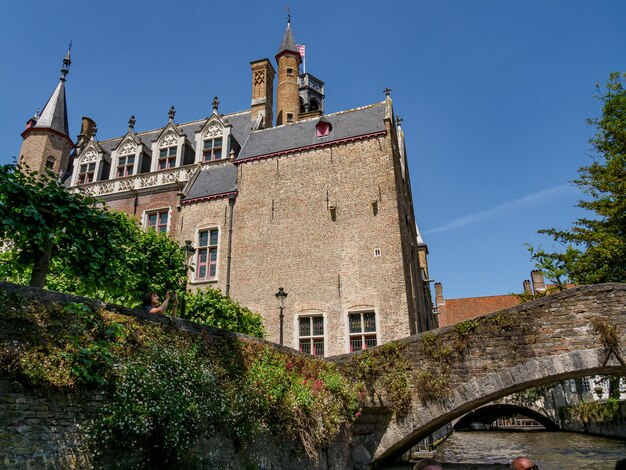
50	162
314	105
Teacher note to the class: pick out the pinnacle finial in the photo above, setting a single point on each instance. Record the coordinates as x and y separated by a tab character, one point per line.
36	115
67	61
216	103
172	113
398	120
288	9
131	122
387	91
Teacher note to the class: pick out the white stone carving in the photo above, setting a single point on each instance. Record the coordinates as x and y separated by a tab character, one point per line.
138	181
90	156
148	180
129	147
213	129
169	140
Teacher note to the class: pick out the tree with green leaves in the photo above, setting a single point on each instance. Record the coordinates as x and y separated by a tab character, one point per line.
595	247
68	242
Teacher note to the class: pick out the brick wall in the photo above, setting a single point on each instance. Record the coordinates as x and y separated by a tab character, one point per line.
285	237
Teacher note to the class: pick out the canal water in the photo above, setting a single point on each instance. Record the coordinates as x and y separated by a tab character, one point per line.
550	450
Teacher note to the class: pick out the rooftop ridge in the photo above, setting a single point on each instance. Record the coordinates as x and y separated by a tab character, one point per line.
197	121
336	113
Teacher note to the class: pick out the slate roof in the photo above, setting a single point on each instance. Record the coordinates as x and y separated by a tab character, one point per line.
54	114
240	130
288	43
345	124
213	180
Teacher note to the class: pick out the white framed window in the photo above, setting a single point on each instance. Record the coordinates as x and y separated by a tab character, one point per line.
212	149
158	220
125	164
167	158
86	173
311	334
362	330
206	254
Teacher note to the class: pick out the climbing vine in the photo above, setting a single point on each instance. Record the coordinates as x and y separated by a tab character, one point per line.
384	368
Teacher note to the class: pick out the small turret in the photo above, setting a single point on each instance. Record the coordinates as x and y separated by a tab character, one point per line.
287	91
47	142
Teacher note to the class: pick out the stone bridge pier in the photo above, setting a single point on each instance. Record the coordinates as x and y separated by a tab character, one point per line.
454	370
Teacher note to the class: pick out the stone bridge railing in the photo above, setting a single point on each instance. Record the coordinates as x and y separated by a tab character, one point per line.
454	370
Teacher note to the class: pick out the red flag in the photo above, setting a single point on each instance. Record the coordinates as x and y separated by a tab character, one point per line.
301	50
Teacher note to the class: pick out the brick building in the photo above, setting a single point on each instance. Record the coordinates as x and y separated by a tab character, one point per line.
319	204
451	311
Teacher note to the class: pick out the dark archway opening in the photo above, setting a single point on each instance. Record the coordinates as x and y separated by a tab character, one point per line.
487	415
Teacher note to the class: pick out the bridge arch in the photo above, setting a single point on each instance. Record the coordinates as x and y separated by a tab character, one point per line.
489	413
555	338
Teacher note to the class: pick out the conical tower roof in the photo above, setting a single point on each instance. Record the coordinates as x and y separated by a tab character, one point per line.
288	44
54	114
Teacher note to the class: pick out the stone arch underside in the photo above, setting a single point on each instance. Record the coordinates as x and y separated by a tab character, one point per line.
489	413
537	343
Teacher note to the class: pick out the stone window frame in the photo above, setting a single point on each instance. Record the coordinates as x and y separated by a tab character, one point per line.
311	338
213	128
200	249
367	338
125	166
86	173
168	158
158	211
50	162
211	151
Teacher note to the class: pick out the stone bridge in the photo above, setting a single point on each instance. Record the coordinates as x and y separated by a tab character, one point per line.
454	370
489	413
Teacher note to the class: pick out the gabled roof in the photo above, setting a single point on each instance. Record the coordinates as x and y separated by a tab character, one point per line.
212	180
240	123
54	114
291	137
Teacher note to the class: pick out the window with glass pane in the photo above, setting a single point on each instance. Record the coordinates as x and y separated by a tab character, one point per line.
206	262
86	173
212	149
125	165
167	158
157	220
362	328
311	334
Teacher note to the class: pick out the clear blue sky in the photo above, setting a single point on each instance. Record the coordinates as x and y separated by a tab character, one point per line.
494	95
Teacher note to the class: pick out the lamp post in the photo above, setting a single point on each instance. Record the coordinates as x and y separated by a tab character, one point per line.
281	295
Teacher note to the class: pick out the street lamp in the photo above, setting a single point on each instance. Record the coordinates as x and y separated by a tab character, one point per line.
281	295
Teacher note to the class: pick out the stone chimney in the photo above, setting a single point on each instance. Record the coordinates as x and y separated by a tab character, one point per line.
539	284
527	288
87	130
438	294
262	114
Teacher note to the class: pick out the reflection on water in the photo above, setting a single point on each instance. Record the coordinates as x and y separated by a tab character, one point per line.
550	450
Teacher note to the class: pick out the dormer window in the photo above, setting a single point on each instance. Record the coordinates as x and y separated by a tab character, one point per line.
86	173
167	158
125	165
212	149
323	128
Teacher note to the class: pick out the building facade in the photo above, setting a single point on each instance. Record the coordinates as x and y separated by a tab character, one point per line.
318	204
